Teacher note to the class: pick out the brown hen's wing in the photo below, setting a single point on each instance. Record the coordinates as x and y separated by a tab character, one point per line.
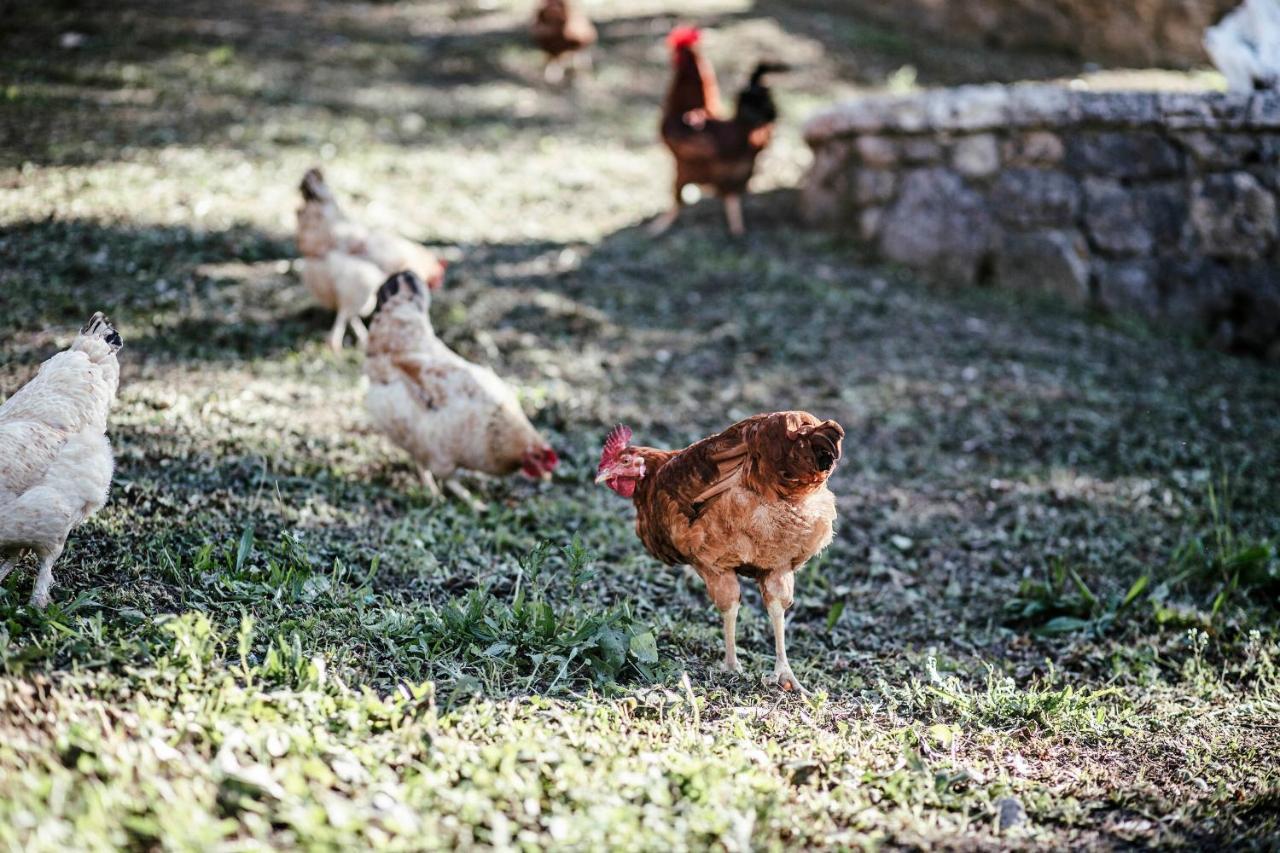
678	486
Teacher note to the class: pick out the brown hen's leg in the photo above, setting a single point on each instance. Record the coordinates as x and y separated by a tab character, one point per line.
726	595
733	214
777	591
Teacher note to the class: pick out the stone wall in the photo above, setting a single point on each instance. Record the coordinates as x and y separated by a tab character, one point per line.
1166	32
1161	205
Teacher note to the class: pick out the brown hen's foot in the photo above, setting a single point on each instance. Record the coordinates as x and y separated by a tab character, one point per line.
734	666
785	679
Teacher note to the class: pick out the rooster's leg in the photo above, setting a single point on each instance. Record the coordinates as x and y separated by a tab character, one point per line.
733	214
777	591
44	579
662	223
469	499
726	594
553	71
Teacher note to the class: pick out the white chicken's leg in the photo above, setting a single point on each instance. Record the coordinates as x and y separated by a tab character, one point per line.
469	499
733	214
362	334
336	333
44	579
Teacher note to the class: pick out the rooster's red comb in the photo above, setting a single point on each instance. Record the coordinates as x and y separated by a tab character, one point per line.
617	439
683	37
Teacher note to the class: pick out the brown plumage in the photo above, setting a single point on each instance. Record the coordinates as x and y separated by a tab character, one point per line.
711	150
751	501
562	31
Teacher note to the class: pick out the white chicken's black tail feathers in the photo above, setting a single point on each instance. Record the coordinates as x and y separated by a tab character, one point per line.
100	327
400	287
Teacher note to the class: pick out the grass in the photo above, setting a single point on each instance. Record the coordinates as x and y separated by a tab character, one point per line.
1040	592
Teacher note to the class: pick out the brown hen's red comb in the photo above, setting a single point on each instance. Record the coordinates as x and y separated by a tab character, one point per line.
617	439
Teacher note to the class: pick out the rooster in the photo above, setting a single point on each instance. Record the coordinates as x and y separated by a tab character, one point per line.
563	32
749	502
444	411
345	262
55	460
710	150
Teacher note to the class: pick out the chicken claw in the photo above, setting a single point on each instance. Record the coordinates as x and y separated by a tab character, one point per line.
785	680
477	506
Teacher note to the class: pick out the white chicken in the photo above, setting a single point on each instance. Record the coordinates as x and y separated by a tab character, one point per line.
345	262
444	411
1245	46
55	460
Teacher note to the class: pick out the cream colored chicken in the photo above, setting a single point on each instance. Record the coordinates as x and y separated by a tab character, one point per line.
445	412
345	262
55	460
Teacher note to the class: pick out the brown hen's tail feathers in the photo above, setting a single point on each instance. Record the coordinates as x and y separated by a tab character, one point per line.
100	327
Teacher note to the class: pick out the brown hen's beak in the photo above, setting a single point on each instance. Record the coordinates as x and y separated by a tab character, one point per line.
602	477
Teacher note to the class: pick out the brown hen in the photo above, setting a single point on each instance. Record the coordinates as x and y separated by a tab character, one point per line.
749	502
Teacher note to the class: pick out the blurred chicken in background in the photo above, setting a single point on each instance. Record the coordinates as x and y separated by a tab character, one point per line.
345	262
711	151
565	34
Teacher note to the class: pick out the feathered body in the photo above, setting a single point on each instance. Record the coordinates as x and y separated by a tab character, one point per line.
711	150
55	460
751	501
444	411
345	262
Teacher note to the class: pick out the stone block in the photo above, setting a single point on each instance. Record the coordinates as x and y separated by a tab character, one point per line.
938	224
1123	154
1141	220
1034	148
877	151
1233	215
873	186
921	151
976	156
1036	197
1129	287
1051	261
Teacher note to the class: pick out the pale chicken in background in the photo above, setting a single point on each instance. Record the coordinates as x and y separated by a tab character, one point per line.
55	460
1245	46
346	285
345	262
445	412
